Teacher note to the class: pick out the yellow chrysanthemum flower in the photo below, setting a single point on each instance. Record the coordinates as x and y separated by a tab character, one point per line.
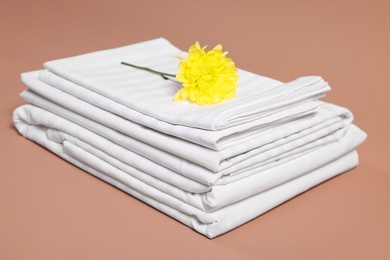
208	77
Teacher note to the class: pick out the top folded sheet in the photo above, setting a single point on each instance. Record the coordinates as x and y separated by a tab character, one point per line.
148	94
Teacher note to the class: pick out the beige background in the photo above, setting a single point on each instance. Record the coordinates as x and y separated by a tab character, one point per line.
49	209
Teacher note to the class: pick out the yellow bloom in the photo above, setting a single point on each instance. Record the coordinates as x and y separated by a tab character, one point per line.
208	77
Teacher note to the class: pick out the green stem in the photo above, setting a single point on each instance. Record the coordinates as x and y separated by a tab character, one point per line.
162	74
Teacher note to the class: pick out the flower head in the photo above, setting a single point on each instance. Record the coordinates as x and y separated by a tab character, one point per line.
208	77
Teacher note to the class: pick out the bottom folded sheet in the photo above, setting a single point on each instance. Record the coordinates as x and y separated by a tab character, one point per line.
210	224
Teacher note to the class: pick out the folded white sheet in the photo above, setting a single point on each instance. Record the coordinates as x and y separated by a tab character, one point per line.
46	128
202	197
258	145
148	94
280	145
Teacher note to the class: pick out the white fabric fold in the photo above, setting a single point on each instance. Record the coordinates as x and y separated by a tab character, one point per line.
75	138
215	161
167	198
101	72
330	124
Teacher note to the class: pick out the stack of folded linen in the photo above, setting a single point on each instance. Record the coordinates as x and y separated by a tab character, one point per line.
212	167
